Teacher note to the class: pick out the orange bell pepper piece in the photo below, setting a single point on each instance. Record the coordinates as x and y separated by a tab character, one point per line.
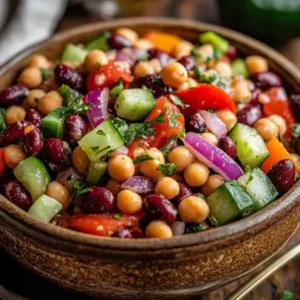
277	153
162	41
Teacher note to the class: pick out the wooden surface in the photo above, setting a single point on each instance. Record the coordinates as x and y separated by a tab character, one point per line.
16	282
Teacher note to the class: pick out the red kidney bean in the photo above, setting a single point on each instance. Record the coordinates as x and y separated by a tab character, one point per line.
16	193
232	52
249	115
33	141
266	80
197	123
98	200
228	146
188	61
117	41
13	133
155	84
295	105
282	175
34	117
69	76
184	191
162	208
56	154
68	177
13	94
163	57
75	128
254	97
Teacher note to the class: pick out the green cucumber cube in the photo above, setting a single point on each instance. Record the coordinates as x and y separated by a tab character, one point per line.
72	52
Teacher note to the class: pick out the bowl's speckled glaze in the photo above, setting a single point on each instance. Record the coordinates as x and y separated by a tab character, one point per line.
150	268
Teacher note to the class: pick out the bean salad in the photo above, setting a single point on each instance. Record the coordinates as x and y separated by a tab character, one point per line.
147	136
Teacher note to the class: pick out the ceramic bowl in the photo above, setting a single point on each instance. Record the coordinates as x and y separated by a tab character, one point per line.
150	268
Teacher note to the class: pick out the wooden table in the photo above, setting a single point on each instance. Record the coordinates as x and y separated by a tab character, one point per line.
18	280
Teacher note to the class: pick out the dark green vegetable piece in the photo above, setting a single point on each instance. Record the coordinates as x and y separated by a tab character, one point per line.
98	42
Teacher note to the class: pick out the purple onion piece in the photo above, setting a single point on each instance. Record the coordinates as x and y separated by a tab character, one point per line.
99	102
213	123
68	178
139	184
123	150
178	228
212	156
130	55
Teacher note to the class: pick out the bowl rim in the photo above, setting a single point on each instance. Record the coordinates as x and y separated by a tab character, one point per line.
227	233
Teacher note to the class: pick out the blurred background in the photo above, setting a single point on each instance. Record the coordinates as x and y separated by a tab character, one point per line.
24	22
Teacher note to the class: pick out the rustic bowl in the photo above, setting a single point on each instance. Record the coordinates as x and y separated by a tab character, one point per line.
150	268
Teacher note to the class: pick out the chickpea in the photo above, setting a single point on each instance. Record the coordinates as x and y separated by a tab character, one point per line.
39	61
155	64
150	169
111	54
193	209
228	118
13	155
196	174
206	52
263	98
121	167
114	186
212	183
58	192
156	154
94	60
241	92
34	97
256	64
130	34
31	77
49	102
223	69
266	129
158	229
143	44
167	187
296	158
210	137
14	114
191	83
174	74
182	157
142	69
80	160
182	48
129	202
73	64
280	122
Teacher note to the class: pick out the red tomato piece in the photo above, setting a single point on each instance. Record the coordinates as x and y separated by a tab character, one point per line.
2	162
205	96
102	224
173	124
108	75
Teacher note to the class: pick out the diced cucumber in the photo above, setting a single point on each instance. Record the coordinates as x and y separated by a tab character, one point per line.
117	89
102	140
215	40
259	187
96	170
251	148
32	173
45	208
53	123
72	52
228	203
134	104
98	42
239	67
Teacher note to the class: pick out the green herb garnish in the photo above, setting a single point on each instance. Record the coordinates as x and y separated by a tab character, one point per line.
45	73
79	188
173	118
142	158
117	89
117	216
192	227
2	119
286	295
167	169
166	147
296	131
177	101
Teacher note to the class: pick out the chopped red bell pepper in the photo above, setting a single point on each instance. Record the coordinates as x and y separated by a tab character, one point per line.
205	96
2	162
108	75
102	224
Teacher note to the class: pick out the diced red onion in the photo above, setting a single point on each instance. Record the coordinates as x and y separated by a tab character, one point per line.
68	177
99	102
130	55
139	184
213	123
123	150
178	228
212	156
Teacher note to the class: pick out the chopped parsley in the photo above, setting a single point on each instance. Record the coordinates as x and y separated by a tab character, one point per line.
45	73
121	126
167	169
79	188
286	295
142	158
117	89
167	146
176	100
192	227
117	216
208	76
173	118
